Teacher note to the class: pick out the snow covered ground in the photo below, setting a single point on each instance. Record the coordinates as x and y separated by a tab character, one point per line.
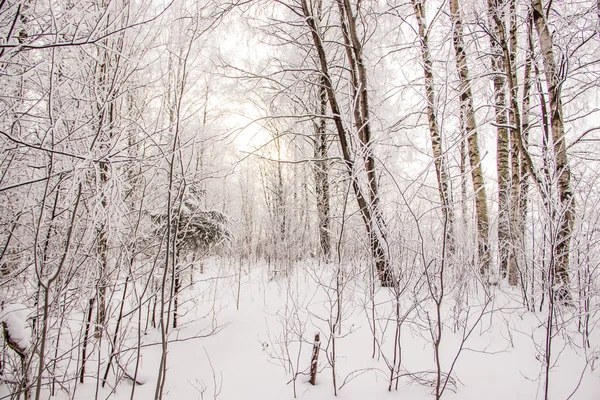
263	349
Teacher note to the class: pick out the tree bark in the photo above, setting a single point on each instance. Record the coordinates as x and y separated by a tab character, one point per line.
314	360
524	174
519	120
321	169
497	25
373	225
560	272
86	337
354	52
516	116
470	126
107	70
510	240
439	158
102	250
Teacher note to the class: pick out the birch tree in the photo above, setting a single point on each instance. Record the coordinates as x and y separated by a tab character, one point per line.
439	157
467	115
367	203
321	168
497	27
566	213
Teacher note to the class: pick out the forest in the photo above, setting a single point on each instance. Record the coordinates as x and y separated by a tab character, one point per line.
313	199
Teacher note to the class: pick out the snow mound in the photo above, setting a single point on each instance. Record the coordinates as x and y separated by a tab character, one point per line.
13	317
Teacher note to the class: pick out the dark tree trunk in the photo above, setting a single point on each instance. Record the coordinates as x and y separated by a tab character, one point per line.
368	206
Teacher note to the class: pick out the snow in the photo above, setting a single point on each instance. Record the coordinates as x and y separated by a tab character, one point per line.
263	349
269	342
14	318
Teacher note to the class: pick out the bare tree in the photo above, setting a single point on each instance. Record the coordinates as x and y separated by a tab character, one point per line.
467	115
321	168
497	27
566	213
368	206
439	157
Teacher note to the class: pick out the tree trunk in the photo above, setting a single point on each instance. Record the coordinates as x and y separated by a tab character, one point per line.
86	337
322	165
517	227
176	283
102	229
439	158
314	360
354	51
496	17
560	272
322	174
524	174
107	70
102	249
280	203
373	225
507	45
468	116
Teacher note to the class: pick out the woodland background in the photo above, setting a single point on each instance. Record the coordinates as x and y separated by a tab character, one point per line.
424	170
